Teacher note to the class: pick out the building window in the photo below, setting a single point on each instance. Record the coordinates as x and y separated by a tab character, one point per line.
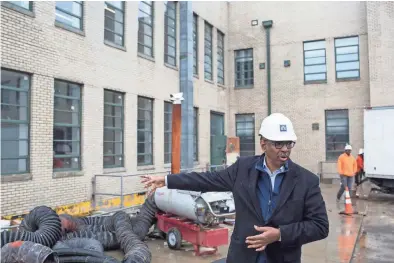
113	129
337	133
315	69
145	28
244	74
170	33
15	122
114	22
208	51
70	13
145	131
167	131
245	132
28	5
195	134
220	52
195	44
67	126
347	58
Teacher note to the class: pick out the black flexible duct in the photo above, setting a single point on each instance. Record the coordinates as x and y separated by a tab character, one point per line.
136	251
27	252
84	243
88	259
144	220
106	238
42	225
85	253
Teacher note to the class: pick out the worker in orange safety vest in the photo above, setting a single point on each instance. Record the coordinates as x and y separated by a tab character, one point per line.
347	169
360	168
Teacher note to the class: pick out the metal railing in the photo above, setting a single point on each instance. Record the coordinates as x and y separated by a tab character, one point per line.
117	183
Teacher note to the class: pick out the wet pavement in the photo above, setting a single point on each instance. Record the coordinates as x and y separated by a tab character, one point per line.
336	248
376	242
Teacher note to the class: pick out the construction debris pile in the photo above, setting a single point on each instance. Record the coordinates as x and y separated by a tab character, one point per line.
46	237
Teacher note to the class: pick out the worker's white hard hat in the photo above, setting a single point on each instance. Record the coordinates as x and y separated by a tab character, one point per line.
277	127
348	147
361	151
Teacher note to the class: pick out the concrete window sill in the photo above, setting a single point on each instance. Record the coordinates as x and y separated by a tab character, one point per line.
64	174
114	170
349	79
209	81
16	178
244	87
171	66
146	168
69	28
146	57
315	82
110	44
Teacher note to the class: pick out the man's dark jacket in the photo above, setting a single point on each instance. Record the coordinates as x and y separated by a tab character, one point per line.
300	213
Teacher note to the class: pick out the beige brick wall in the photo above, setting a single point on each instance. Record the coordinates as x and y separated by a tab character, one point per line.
380	18
35	45
303	104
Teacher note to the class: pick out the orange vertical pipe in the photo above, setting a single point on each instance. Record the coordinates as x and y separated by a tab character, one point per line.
176	139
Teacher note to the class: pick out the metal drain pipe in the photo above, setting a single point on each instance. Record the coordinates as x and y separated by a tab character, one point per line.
268	25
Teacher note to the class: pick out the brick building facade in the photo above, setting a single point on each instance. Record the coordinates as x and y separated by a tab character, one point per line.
87	83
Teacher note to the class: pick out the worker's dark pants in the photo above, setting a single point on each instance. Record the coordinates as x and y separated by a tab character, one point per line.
359	177
345	181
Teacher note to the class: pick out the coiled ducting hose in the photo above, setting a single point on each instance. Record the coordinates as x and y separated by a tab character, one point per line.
27	252
144	220
84	243
106	238
83	255
136	251
42	225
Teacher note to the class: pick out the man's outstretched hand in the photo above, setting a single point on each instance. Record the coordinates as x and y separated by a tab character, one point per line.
153	182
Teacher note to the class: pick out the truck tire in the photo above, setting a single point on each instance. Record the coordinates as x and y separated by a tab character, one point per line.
174	238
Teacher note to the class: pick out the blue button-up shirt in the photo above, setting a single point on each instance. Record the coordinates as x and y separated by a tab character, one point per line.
268	188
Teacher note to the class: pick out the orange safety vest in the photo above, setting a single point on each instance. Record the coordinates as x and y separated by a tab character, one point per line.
360	163
347	165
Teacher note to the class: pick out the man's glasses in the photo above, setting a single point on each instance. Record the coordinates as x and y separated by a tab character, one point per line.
279	145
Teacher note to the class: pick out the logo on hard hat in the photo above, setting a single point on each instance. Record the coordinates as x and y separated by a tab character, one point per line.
283	128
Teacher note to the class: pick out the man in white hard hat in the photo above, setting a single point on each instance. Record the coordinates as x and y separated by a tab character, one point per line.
347	169
278	203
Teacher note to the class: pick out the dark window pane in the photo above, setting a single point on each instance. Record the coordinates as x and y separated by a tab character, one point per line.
337	132
245	131
243	67
145	28
145	131
15	122
114	22
113	129
66	139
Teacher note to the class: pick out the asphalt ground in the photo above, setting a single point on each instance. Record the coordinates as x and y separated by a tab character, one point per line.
338	247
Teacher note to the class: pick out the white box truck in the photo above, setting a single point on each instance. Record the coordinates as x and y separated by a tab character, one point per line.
379	147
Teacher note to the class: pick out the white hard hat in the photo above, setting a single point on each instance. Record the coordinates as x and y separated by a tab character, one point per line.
361	151
277	127
348	147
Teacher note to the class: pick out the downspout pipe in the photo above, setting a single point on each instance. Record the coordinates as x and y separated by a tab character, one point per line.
267	26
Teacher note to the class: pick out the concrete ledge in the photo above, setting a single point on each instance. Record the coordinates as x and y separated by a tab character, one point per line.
65	174
16	178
